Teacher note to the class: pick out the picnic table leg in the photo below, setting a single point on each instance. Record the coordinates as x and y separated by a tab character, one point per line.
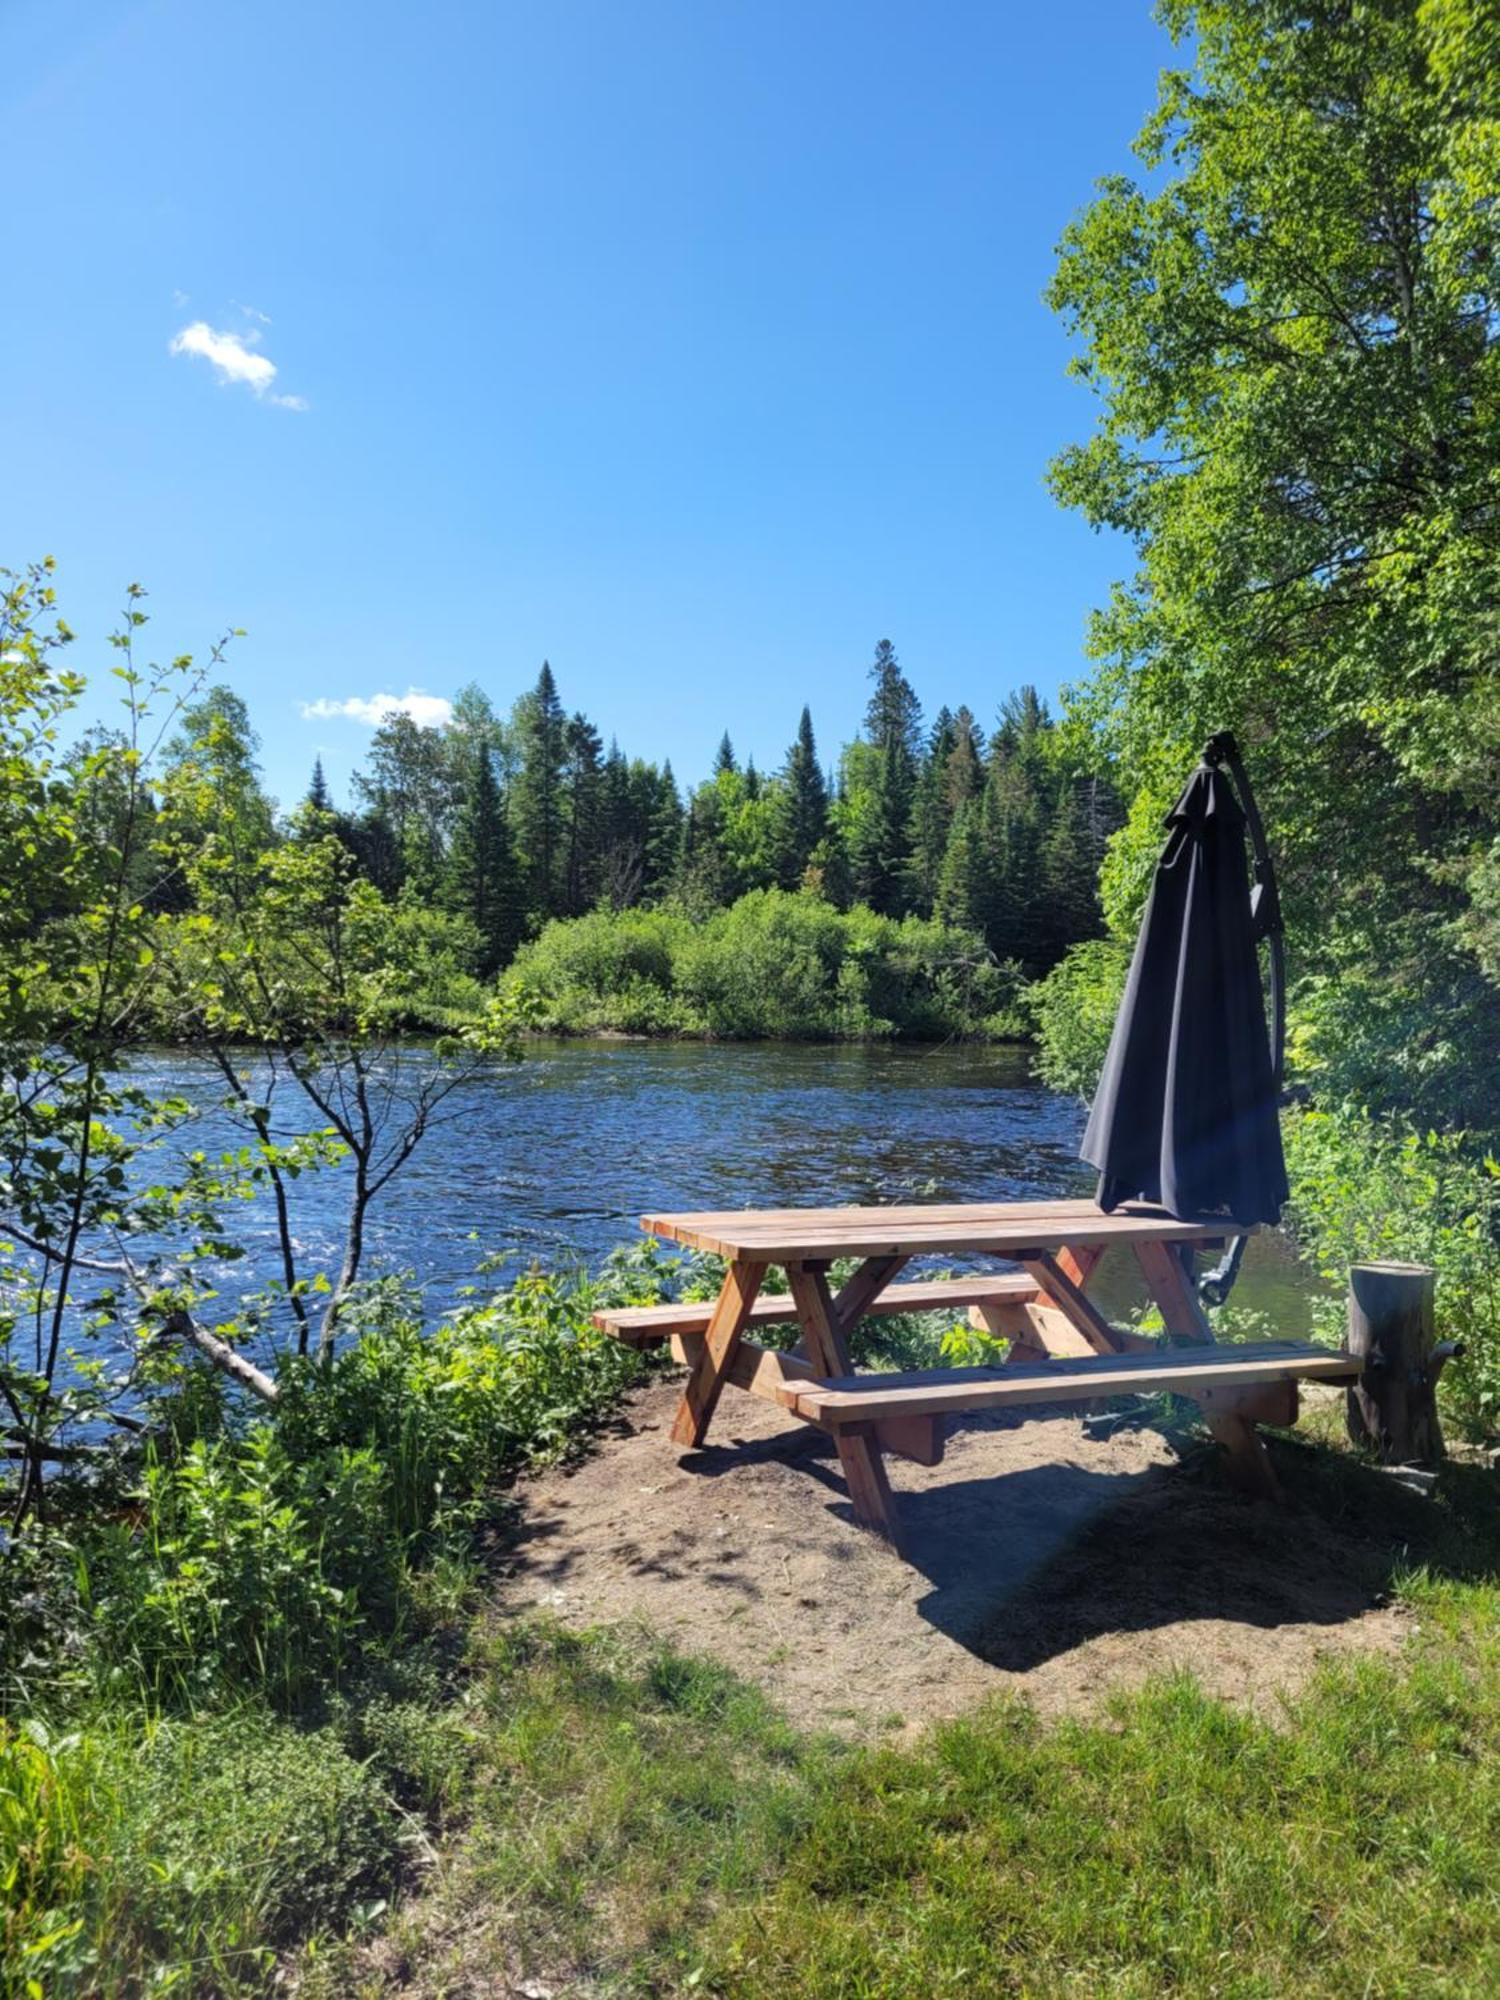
1249	1466
710	1371
858	1445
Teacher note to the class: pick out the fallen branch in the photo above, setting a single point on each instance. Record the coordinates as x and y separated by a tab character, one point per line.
182	1326
51	1454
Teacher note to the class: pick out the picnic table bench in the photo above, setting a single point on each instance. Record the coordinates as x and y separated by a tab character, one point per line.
1062	1348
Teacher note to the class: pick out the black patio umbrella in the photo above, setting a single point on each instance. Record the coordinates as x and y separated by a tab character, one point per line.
1186	1110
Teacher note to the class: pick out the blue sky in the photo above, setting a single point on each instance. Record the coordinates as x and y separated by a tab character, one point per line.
692	344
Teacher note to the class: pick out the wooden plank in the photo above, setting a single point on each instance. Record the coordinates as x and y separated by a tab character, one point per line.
822	1335
920	1439
937	1391
1070	1299
1257	1402
859	1447
762	1371
705	1382
1250	1466
993	1228
1080	1261
648	1326
1176	1299
869	1489
1052	1332
1048	1208
862	1294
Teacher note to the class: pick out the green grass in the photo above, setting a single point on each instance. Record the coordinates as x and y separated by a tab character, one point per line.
643	1824
271	1729
180	1856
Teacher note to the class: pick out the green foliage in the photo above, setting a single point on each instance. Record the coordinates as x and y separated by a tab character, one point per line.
159	1819
263	1553
1073	1012
1365	1188
772	965
1289	321
1343	1844
647	1817
180	1856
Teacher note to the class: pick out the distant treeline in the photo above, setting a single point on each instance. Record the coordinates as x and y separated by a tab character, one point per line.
513	821
510	823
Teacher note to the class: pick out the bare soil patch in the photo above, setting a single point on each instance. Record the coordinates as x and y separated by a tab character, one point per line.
1042	1562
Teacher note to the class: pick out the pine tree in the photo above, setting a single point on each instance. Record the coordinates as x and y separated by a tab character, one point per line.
662	819
931	816
482	880
724	759
318	795
536	803
583	788
803	816
880	825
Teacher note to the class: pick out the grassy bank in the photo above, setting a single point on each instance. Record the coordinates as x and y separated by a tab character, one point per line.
257	1718
642	1823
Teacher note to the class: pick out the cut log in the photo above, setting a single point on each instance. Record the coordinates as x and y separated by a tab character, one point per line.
1392	1408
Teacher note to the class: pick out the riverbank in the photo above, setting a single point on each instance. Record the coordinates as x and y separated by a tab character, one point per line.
267	1722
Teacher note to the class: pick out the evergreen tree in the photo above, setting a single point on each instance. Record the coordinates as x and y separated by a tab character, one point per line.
583	790
931	816
622	843
880	825
662	819
536	802
803	817
963	767
724	759
318	795
482	880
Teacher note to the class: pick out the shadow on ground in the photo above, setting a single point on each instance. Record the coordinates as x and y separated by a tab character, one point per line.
1039	1560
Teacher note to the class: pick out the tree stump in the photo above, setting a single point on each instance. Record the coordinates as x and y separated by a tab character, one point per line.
1392	1408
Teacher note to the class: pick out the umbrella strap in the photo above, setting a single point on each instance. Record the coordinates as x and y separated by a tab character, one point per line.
1215	1286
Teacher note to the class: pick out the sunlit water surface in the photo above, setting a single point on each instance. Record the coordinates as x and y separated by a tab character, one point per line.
556	1158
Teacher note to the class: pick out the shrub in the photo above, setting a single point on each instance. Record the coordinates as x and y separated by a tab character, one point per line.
773	964
270	1555
1363	1187
1072	1013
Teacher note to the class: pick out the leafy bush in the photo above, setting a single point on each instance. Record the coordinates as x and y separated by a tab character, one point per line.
1072	1013
773	964
1363	1187
268	1555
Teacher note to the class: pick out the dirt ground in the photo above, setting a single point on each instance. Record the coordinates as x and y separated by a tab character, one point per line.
1041	1562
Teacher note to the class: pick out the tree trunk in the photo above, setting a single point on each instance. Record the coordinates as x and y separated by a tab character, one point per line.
1392	1408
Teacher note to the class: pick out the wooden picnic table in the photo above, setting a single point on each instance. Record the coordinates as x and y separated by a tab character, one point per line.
1062	1348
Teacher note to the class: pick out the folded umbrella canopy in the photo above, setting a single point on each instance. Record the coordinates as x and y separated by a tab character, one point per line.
1186	1110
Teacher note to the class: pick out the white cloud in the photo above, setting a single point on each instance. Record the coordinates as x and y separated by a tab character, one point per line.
251	312
234	358
428	711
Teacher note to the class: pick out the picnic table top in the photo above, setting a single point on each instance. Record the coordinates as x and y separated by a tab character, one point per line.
1001	1229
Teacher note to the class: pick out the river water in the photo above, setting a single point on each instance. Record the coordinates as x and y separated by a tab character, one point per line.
554	1159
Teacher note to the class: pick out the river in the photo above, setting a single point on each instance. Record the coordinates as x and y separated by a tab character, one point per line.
555	1158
